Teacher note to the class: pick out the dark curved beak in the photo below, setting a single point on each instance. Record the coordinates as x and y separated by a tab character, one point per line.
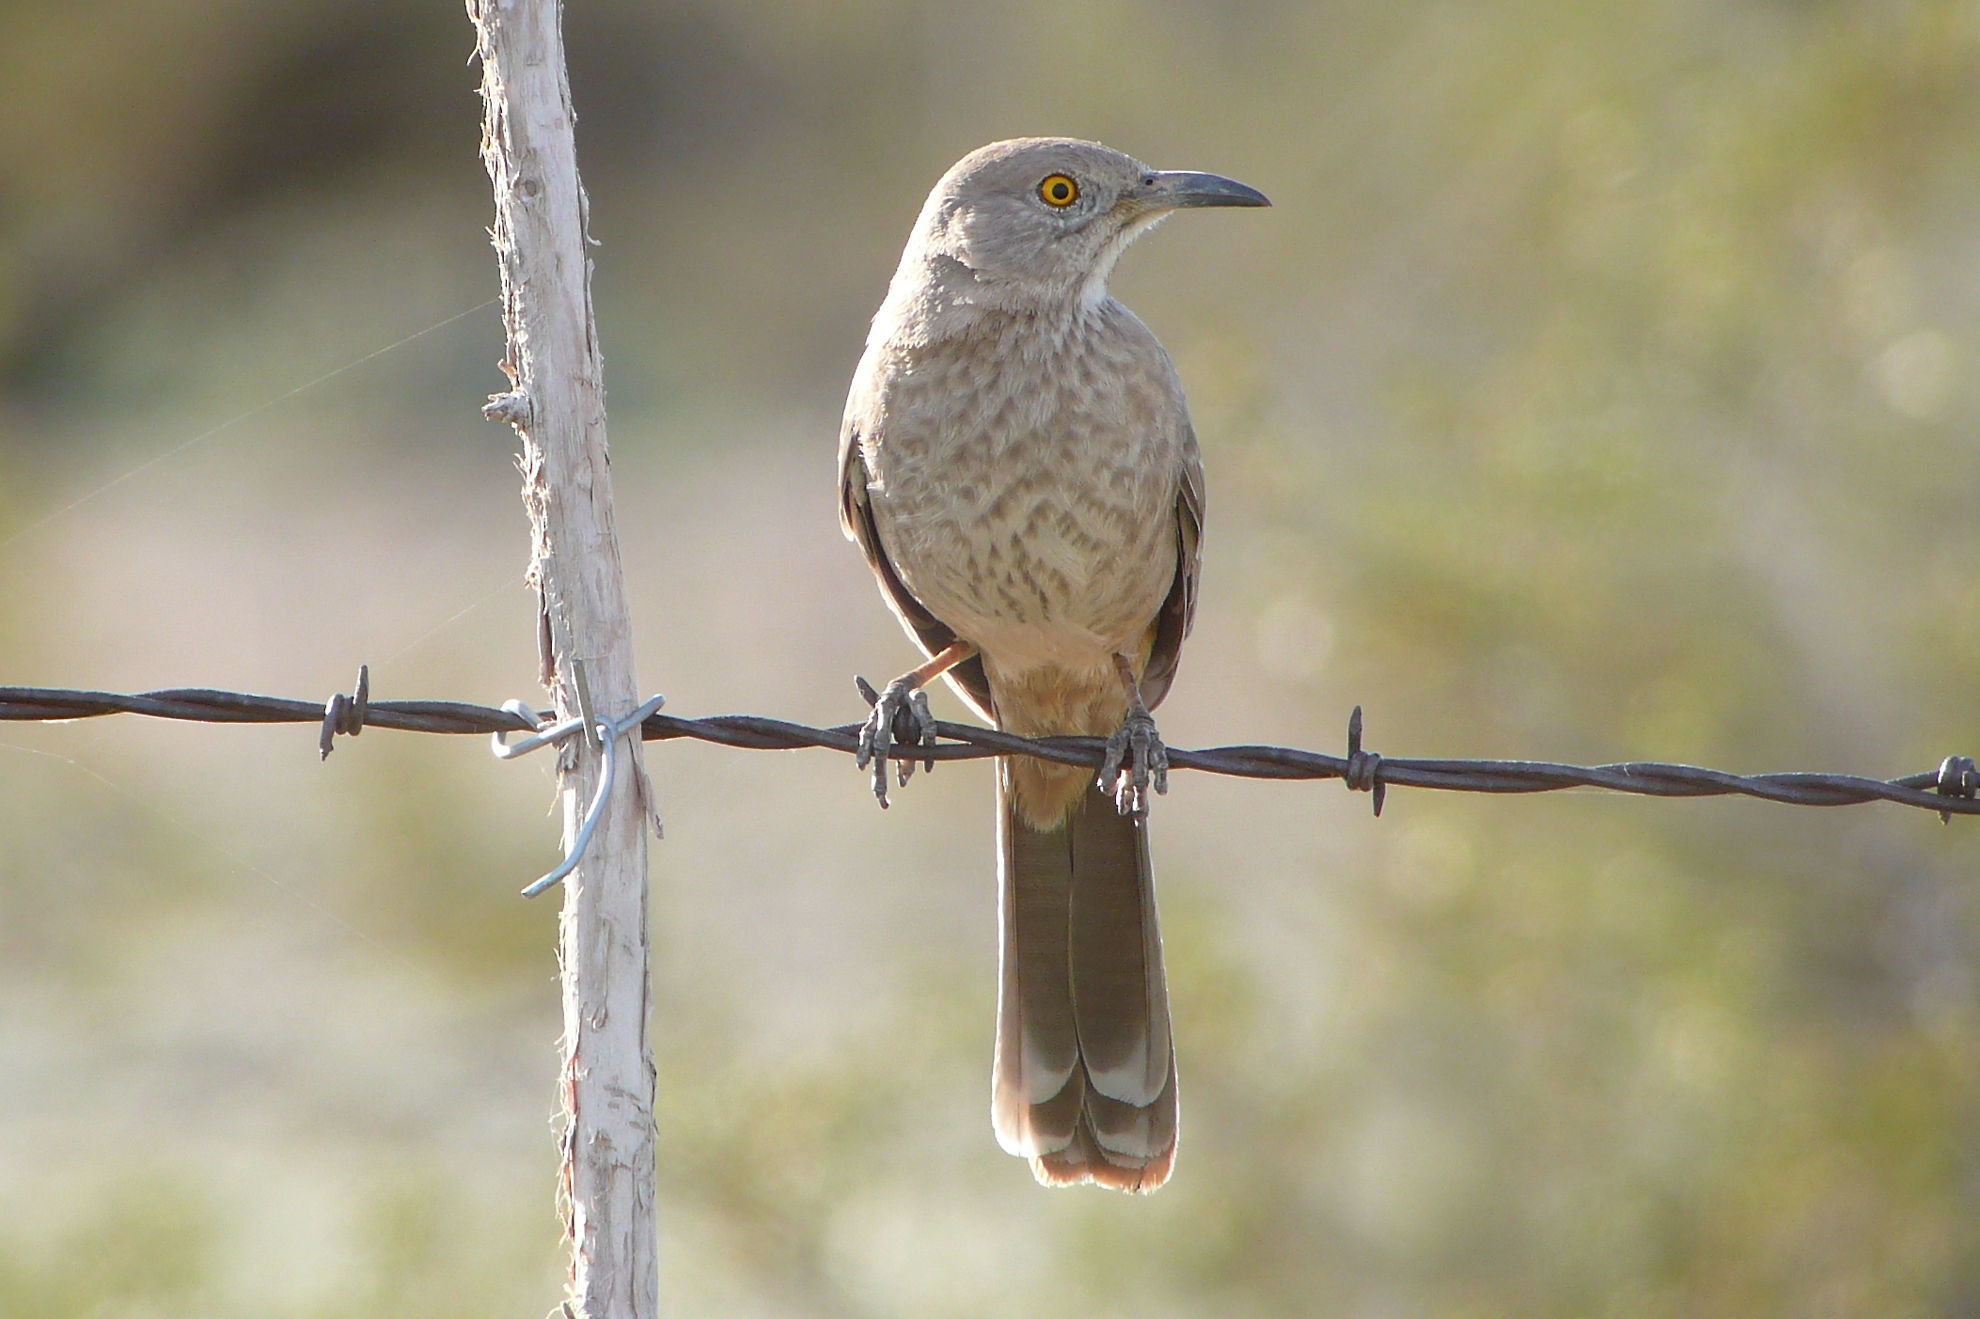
1175	189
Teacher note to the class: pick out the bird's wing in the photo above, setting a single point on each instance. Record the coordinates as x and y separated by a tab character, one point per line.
1179	610
929	632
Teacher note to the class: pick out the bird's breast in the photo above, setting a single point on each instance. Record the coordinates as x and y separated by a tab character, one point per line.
1025	484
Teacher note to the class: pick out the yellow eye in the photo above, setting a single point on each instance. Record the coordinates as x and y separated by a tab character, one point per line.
1058	191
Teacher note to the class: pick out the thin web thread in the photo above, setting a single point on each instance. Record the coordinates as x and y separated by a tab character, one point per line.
202	838
185	445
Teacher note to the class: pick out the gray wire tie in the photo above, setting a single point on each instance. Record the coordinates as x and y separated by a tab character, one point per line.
605	735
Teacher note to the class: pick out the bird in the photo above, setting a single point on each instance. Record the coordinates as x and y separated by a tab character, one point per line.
1018	466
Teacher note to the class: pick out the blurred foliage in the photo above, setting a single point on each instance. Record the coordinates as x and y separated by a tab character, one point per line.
1601	386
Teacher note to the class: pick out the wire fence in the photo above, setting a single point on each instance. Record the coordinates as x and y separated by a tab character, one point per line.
1950	789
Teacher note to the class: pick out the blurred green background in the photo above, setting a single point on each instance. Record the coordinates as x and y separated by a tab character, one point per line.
1602	386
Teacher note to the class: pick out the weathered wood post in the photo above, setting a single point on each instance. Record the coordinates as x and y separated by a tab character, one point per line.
557	405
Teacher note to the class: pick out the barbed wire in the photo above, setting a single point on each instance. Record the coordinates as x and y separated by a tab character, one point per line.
1949	790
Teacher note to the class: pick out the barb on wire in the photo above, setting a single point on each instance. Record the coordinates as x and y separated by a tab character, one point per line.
1948	790
345	714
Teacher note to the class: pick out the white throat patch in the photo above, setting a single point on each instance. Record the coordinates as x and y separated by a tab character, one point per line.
1094	291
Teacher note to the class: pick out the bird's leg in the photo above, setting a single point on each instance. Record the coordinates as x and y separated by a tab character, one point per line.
1135	755
900	714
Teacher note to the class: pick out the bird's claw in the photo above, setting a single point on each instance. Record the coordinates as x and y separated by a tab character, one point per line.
900	717
1135	760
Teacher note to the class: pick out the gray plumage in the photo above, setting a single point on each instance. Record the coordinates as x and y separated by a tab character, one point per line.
1018	465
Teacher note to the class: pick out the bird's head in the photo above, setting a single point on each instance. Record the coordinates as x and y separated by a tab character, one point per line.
1043	219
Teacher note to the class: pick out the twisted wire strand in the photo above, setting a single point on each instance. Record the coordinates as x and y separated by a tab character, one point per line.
1949	790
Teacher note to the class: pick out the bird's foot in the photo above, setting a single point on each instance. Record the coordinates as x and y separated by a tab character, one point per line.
1135	760
900	717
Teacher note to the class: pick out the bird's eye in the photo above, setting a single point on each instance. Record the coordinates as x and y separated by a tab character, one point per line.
1058	191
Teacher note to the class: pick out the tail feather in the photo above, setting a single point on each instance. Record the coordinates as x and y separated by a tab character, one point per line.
1120	995
1086	1159
1085	1078
1036	1002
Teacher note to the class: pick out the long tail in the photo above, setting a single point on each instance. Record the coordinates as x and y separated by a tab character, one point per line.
1085	1076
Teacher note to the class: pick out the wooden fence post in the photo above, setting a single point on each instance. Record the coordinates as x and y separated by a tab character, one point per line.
557	404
